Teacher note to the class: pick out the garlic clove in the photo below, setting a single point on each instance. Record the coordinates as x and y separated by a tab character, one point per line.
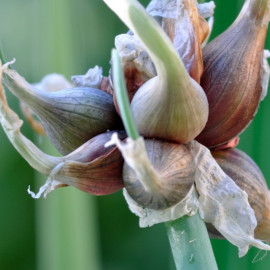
91	168
157	174
168	116
232	78
50	83
100	176
247	175
70	117
171	105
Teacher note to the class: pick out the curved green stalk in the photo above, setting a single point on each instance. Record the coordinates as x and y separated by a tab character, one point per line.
122	97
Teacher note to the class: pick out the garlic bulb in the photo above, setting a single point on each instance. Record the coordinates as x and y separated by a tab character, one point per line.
70	117
232	77
157	174
246	174
172	105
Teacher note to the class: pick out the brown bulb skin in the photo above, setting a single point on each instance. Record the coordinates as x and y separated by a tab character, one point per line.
176	169
232	80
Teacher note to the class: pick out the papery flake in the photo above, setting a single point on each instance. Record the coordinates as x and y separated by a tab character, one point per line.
136	63
265	73
92	78
185	27
149	217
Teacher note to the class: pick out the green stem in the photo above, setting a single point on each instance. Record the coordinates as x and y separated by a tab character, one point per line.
190	244
122	97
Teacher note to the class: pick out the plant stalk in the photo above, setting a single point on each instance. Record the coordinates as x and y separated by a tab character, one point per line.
190	244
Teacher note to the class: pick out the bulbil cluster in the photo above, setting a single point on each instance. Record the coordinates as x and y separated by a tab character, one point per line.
178	93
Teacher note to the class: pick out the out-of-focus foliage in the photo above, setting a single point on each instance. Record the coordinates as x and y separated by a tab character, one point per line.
35	34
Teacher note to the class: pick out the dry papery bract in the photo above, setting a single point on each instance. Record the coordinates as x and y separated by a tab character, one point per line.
247	175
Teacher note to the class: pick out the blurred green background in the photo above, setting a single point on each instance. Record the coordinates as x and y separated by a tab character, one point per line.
72	230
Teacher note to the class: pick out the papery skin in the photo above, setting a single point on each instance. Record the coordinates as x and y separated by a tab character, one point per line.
232	77
223	203
136	63
92	78
247	175
149	217
186	29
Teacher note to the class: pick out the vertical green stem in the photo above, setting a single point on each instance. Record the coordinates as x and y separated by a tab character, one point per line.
67	234
190	244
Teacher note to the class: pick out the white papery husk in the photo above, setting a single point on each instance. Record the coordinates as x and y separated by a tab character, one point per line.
171	9
184	27
265	73
166	8
132	51
206	10
221	202
92	78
